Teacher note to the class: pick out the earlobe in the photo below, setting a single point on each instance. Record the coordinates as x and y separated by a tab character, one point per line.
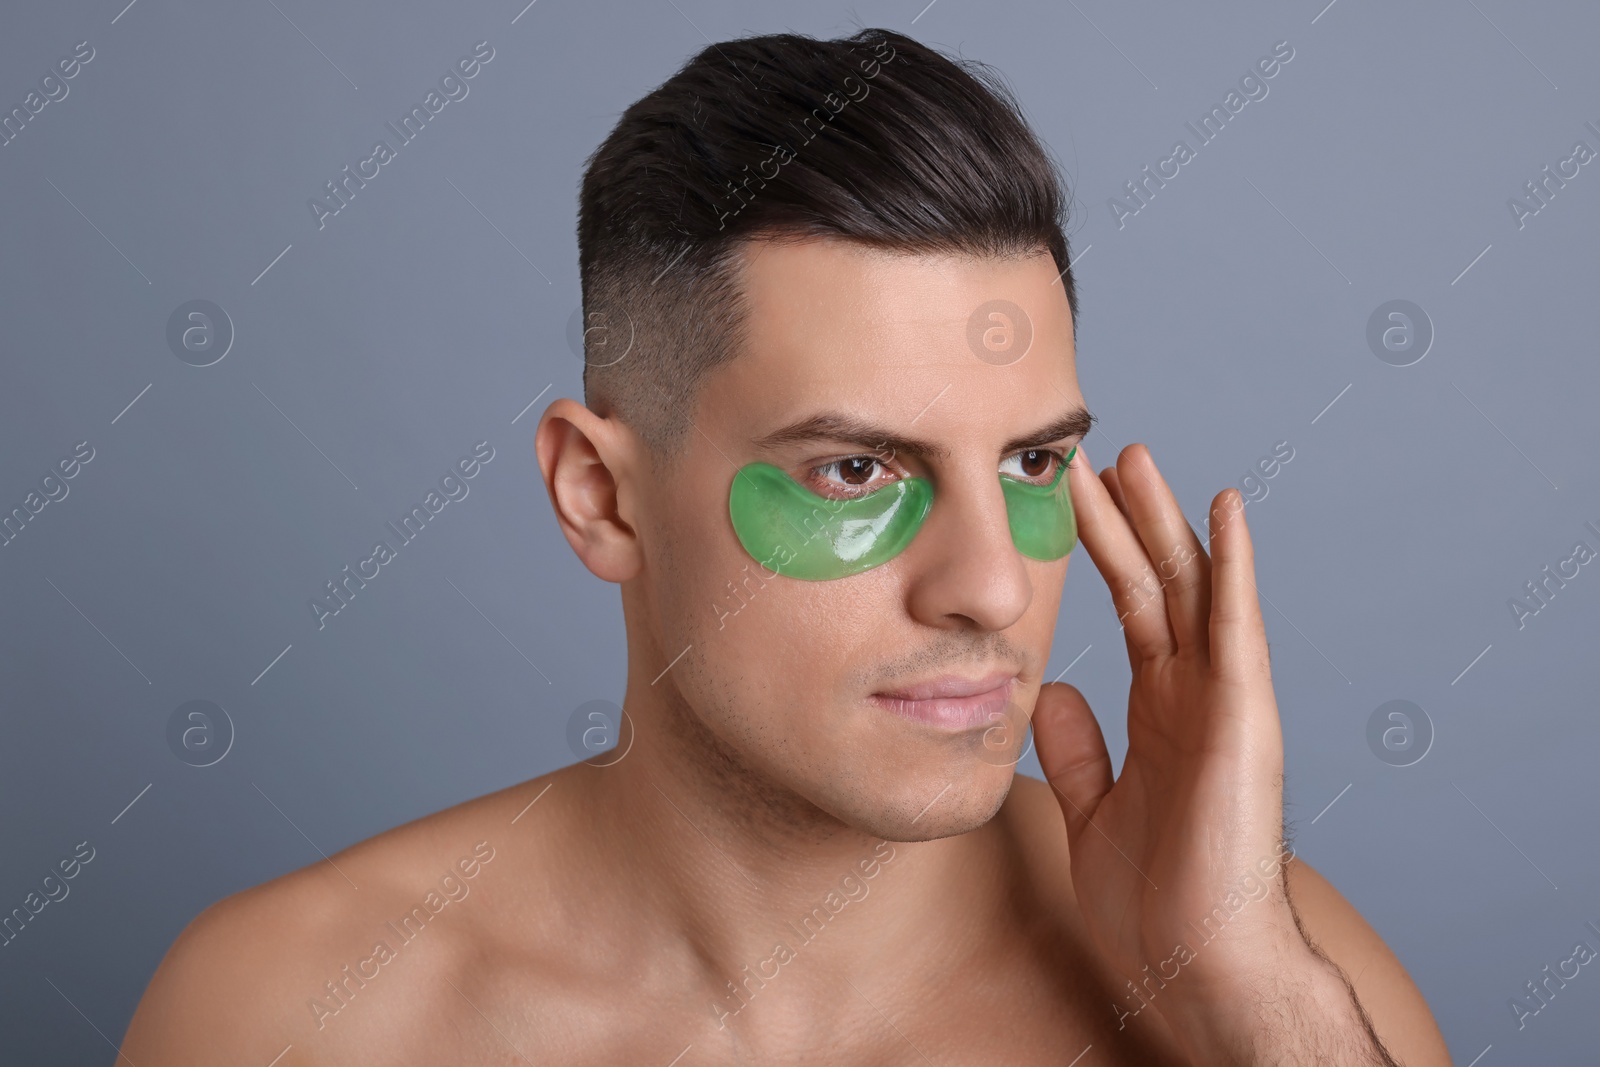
584	459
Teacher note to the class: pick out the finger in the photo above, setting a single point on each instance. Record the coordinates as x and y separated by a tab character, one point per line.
1114	488
1072	752
1238	634
1120	557
1113	484
1179	559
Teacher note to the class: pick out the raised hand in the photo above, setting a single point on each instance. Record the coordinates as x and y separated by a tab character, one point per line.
1178	863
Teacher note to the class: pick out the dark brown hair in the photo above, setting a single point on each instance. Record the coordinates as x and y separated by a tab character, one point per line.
873	138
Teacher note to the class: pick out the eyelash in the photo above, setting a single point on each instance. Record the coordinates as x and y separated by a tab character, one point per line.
1060	460
845	490
850	491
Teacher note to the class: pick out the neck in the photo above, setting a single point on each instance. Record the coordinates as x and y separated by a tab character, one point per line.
749	876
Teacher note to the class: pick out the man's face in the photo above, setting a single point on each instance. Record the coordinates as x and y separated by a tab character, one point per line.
860	368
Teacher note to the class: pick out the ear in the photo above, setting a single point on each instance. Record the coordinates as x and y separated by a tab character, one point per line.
581	456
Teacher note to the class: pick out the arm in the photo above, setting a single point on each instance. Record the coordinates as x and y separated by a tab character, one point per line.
1337	994
1299	1012
1393	1006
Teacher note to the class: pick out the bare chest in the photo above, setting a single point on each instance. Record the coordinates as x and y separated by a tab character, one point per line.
1017	1014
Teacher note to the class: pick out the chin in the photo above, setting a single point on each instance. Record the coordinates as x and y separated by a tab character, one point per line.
929	806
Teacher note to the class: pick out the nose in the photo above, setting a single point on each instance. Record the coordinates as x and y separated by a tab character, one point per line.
965	571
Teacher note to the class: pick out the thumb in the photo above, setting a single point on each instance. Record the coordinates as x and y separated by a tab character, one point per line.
1072	753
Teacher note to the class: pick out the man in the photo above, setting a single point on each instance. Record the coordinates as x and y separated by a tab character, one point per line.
832	454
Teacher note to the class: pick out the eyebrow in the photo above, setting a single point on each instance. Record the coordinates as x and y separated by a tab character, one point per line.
833	426
1076	422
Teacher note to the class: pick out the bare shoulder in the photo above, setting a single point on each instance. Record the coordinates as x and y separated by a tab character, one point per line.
349	957
1398	1012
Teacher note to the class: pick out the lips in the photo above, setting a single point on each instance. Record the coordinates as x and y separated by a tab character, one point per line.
951	702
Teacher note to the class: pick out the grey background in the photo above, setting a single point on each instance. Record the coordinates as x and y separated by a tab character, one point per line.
1220	320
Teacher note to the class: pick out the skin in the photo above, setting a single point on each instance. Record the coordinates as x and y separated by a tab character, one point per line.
1010	913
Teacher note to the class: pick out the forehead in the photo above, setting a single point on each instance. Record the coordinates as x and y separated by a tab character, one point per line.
835	326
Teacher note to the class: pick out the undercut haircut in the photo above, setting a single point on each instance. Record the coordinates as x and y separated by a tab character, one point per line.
873	138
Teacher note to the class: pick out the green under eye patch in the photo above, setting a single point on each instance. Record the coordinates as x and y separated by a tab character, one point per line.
1043	524
791	530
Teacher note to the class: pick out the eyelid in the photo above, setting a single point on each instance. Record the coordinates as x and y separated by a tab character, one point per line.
814	470
1059	451
1061	446
886	460
1060	454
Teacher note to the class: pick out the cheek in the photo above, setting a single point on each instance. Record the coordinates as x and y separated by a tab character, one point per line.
699	574
774	657
1052	577
1036	629
713	593
799	640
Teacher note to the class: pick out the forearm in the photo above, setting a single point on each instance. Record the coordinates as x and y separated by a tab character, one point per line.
1301	1011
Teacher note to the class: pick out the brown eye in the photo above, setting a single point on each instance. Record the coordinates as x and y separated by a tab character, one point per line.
855	476
857	470
1035	462
1036	465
